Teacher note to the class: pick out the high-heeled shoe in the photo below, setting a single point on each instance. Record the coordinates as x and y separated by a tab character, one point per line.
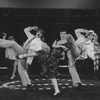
56	94
79	87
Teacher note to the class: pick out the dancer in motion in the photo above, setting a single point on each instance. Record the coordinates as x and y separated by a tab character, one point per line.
34	46
87	42
49	62
72	54
22	69
83	40
11	55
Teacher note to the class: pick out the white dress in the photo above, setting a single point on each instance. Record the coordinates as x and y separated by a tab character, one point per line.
90	49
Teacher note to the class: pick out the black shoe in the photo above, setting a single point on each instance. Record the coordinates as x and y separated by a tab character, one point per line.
29	87
57	94
79	87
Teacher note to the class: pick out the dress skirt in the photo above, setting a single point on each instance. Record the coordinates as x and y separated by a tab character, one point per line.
49	64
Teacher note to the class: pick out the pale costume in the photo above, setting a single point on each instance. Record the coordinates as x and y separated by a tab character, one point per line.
11	55
81	40
89	46
72	54
49	63
86	45
21	62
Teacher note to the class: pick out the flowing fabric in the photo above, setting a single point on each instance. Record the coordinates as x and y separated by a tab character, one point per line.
50	61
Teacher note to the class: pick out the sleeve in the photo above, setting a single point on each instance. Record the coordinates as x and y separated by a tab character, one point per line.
27	32
79	31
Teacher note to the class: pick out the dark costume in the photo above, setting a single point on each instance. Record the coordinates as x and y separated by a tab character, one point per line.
50	61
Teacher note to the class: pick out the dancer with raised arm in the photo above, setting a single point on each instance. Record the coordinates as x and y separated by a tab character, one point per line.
48	62
72	54
22	70
34	46
87	42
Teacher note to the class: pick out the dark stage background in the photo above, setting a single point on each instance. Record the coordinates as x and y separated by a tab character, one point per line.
74	4
52	21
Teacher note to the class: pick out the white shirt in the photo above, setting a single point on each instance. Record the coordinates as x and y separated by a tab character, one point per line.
80	37
31	45
90	49
35	45
80	40
10	54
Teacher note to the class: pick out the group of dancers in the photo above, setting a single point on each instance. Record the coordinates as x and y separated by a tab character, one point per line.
85	46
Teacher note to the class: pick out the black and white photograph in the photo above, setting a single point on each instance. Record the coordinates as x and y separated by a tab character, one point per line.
49	50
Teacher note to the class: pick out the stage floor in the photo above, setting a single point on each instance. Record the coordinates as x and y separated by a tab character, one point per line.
43	89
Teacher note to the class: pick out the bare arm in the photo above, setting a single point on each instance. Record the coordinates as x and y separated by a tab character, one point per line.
28	33
79	31
55	45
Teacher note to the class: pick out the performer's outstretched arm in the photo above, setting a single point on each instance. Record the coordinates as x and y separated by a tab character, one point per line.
81	32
